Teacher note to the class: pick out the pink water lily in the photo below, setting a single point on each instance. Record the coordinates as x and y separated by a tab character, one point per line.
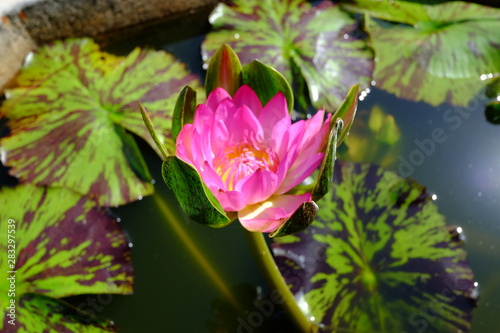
250	156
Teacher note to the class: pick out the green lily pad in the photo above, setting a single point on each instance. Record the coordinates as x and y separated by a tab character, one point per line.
323	42
433	53
64	245
38	313
378	258
71	116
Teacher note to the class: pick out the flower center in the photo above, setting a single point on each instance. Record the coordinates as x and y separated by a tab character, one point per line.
242	159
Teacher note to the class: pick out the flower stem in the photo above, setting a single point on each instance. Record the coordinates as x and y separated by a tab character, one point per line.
263	255
206	266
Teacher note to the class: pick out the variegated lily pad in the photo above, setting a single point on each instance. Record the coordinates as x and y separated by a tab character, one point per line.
433	53
72	112
378	258
59	244
321	44
38	313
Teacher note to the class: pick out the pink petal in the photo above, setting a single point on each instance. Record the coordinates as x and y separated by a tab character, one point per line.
299	172
316	133
210	177
245	126
202	116
231	201
184	142
258	187
280	136
267	216
246	96
216	97
274	111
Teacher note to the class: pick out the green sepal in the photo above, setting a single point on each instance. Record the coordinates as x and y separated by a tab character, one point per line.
151	129
492	112
224	71
300	220
325	176
185	108
346	112
133	154
195	199
267	82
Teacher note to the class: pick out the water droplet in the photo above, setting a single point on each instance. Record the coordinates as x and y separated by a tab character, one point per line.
434	197
130	244
361	97
139	197
459	230
498	98
375	59
346	36
118	219
312	318
205	66
28	58
373	83
153	181
368	90
236	36
483	77
490	76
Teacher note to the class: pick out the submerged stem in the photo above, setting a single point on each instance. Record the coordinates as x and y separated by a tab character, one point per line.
206	266
263	254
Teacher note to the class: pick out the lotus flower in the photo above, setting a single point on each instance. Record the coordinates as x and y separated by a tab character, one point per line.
250	156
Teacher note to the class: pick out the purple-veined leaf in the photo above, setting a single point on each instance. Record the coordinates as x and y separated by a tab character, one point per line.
440	56
64	245
38	313
378	258
323	42
70	116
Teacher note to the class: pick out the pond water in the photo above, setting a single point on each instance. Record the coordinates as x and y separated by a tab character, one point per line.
174	294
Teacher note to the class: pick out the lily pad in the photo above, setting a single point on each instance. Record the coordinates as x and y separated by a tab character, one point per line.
64	245
38	313
433	53
378	258
323	42
71	116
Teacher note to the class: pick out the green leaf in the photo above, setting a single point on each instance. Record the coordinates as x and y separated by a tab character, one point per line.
347	112
195	199
323	42
37	313
325	175
300	220
65	245
378	258
267	82
439	59
64	112
224	71
492	112
184	110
